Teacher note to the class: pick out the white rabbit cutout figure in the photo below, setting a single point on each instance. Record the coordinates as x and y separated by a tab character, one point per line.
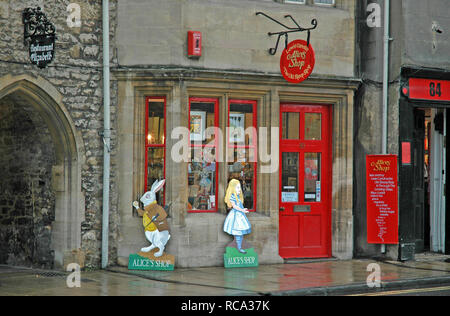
154	220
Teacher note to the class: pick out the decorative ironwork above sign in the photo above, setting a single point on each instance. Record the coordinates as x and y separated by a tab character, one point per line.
39	34
298	58
298	28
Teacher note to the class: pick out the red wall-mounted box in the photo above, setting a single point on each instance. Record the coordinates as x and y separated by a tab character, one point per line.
194	44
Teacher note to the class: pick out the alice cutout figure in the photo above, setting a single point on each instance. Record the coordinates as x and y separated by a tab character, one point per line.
236	223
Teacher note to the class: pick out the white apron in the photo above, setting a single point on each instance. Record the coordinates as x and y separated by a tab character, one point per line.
236	222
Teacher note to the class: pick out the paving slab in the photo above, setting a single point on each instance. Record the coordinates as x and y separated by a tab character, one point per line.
300	278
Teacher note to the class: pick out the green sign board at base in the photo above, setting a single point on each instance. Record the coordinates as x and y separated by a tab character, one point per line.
234	259
136	262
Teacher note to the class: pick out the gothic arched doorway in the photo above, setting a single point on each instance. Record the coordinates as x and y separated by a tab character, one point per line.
41	203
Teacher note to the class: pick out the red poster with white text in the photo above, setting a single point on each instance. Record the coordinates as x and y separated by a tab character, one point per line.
382	199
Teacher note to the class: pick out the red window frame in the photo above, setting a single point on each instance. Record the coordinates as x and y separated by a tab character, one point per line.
253	146
147	145
216	144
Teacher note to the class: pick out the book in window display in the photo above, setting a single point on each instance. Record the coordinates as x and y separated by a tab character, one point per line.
197	125
237	124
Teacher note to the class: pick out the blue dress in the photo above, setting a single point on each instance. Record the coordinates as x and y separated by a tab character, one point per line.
236	222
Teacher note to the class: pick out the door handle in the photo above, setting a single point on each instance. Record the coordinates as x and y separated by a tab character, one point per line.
282	209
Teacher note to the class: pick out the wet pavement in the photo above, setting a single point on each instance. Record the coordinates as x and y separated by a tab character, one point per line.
326	277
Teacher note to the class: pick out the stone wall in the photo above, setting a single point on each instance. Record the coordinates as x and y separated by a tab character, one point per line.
154	32
76	72
423	45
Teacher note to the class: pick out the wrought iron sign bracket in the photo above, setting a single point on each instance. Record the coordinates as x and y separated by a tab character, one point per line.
39	35
298	28
36	24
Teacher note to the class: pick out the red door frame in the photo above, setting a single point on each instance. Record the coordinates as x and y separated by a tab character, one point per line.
323	208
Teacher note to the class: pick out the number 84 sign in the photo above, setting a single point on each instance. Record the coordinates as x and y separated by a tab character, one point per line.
427	89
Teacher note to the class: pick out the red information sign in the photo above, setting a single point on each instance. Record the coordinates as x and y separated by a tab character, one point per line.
406	153
297	61
428	89
382	199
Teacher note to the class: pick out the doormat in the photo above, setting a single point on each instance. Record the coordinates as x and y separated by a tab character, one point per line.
234	259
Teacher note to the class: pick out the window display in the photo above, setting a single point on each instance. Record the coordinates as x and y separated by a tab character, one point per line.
202	169
244	172
289	178
155	169
202	121
241	152
312	177
155	144
202	185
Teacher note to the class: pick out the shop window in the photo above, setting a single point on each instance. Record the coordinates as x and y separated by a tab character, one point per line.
313	126
202	168
320	2
289	178
291	125
325	2
312	177
155	144
241	148
295	1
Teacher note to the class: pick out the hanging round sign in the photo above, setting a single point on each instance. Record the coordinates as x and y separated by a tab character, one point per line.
297	61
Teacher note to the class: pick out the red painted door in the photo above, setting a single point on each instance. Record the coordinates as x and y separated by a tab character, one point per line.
305	181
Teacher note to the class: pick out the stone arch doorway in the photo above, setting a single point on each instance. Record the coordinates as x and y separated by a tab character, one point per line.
50	175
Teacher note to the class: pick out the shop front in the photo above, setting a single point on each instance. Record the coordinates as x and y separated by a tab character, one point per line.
424	117
289	146
206	96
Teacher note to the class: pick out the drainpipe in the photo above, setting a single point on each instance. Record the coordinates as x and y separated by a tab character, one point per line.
387	38
386	74
106	133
